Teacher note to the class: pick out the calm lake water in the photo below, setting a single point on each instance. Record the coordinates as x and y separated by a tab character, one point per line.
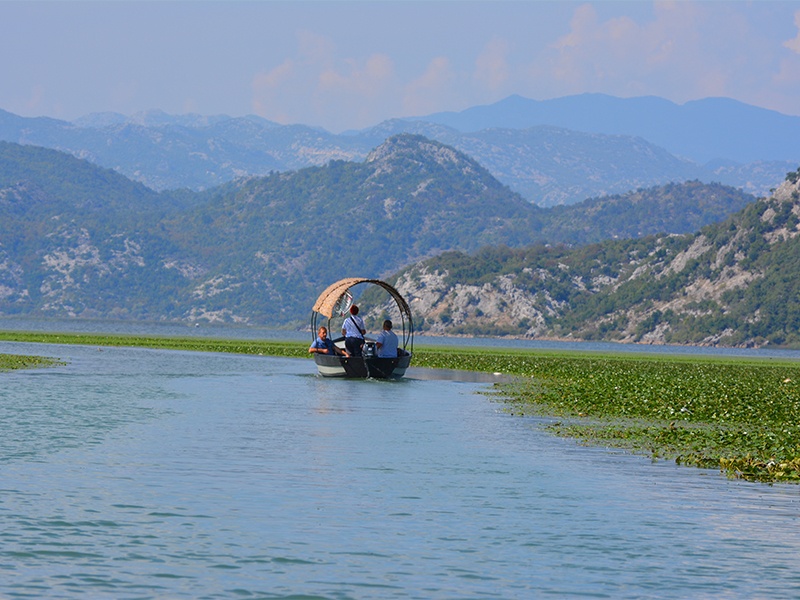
135	473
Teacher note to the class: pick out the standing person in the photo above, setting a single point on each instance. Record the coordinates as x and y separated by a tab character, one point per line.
386	342
324	345
353	330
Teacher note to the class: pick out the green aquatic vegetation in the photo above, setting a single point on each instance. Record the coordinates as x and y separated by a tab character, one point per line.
10	362
195	344
741	417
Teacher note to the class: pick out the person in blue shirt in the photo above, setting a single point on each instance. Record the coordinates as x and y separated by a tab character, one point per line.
324	345
386	342
353	330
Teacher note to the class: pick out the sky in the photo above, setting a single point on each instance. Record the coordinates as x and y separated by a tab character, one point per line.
346	65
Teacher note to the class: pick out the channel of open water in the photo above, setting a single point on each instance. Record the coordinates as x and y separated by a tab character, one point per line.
136	473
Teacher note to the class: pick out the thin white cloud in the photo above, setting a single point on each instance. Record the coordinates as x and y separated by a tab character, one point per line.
275	77
432	89
316	86
492	71
36	99
368	80
683	51
794	43
357	93
315	49
266	91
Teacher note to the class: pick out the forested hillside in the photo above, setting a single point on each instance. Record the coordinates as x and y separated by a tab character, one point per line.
733	283
285	237
61	180
671	208
79	240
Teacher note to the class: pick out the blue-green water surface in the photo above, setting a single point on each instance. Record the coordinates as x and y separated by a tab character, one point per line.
135	473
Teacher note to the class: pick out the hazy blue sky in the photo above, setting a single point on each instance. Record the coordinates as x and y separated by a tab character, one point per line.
344	65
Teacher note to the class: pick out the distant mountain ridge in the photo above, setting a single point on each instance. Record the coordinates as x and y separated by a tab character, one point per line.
79	240
540	158
701	130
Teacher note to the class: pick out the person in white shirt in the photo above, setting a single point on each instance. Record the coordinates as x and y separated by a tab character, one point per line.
353	330
386	342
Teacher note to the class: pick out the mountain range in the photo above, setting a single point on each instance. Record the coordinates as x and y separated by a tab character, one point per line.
80	240
553	152
711	129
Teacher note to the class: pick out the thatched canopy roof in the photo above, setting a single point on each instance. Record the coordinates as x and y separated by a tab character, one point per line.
328	299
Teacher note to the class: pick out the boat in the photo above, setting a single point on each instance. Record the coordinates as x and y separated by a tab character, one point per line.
334	305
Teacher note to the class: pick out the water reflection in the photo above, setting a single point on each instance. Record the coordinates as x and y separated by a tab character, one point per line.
425	374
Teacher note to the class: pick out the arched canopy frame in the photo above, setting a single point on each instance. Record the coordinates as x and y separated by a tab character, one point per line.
328	300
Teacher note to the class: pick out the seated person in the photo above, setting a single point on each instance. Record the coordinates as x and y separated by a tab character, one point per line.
386	342
324	345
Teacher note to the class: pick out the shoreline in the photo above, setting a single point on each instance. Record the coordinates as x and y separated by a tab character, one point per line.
621	343
738	414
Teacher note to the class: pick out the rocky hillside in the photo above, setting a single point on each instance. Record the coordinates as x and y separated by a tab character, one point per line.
77	240
553	166
732	283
